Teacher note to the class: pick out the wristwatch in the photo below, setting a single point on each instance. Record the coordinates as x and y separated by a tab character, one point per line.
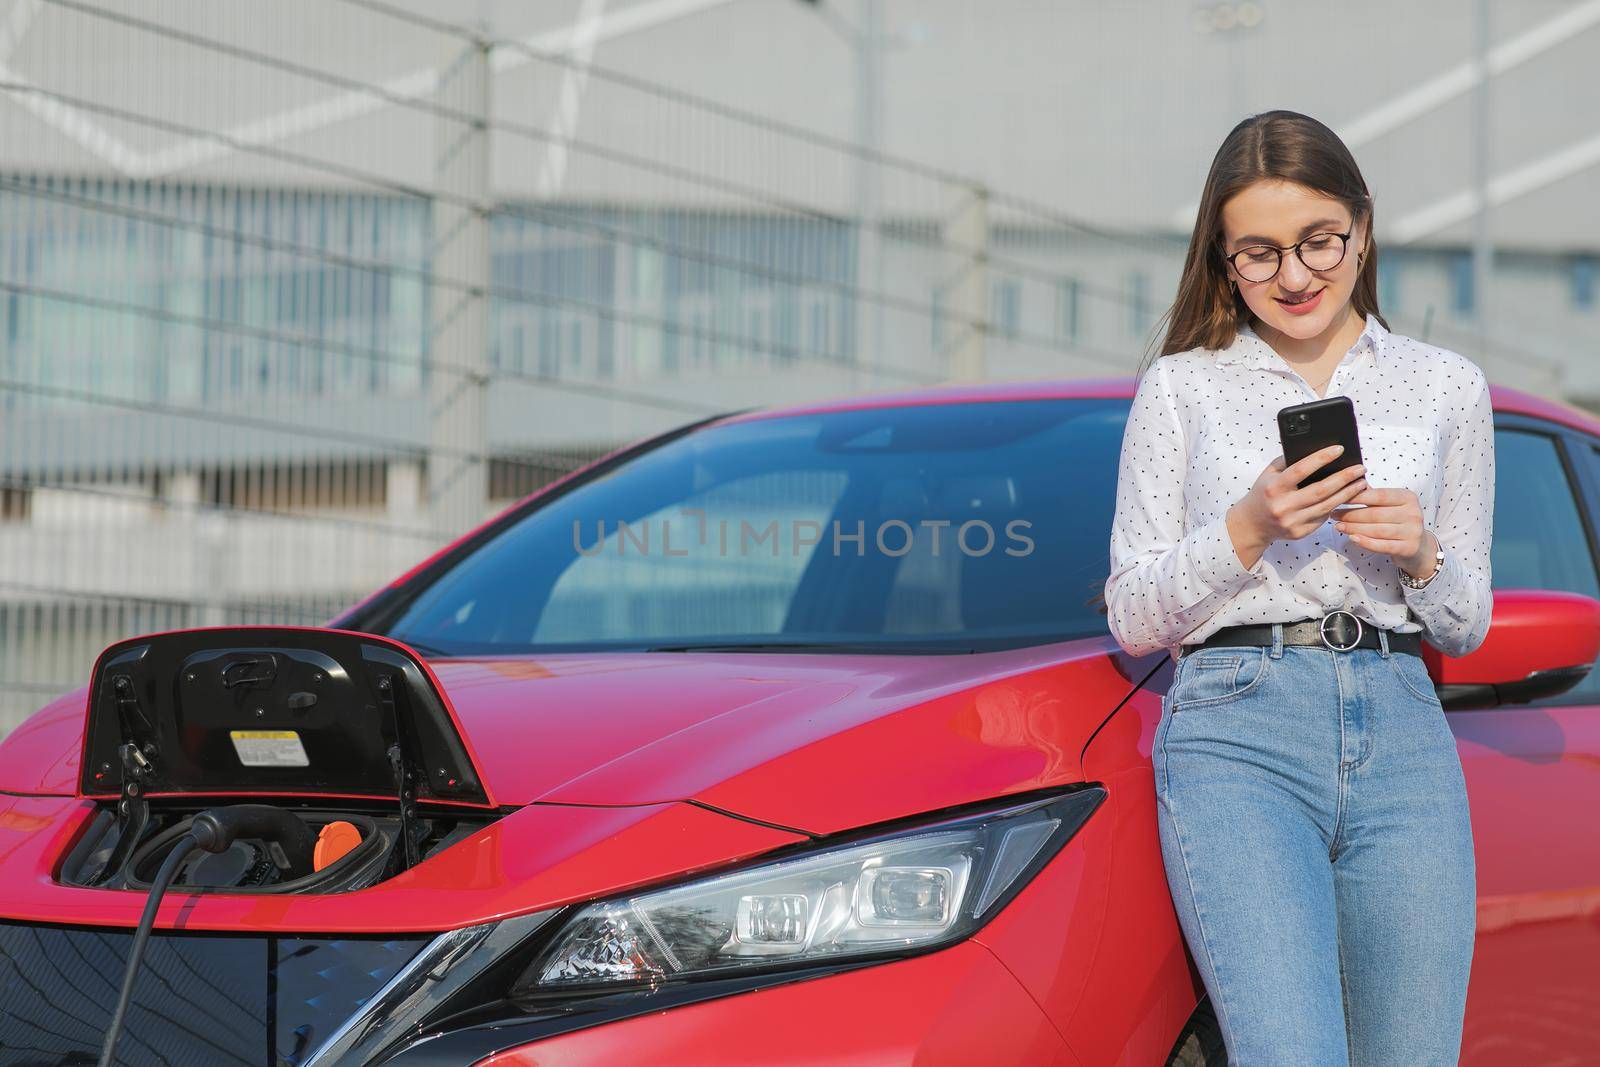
1438	565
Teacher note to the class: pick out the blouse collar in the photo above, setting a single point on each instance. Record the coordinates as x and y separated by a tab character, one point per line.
1249	348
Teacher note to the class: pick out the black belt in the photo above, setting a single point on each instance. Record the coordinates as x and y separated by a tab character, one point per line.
1339	630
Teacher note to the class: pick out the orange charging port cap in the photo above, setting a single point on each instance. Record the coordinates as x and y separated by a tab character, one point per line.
334	842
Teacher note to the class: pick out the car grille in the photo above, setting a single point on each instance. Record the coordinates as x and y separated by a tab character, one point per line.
203	999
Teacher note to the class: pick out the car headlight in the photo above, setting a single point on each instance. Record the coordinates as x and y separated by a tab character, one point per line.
817	909
897	893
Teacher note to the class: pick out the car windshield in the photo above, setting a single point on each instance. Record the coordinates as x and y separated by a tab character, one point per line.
923	528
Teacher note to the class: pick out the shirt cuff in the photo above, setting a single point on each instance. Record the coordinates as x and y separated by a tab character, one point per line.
1440	589
1216	561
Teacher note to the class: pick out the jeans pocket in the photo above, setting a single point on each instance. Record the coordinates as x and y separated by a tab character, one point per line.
1216	676
1413	674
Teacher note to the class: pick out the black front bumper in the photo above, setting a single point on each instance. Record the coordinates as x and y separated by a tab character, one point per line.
210	1000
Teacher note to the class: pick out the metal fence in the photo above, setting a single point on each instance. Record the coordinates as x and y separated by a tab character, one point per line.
292	293
279	314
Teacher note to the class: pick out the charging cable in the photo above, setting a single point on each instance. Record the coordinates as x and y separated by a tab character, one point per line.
214	831
169	867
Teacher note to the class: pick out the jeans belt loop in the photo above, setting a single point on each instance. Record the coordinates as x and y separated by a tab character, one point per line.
1277	640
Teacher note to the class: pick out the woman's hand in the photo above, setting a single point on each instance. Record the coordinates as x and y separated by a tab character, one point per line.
1277	509
1391	524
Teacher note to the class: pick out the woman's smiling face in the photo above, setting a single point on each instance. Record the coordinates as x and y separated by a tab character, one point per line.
1280	213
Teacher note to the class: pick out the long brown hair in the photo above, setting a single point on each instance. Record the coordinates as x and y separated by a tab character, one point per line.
1281	145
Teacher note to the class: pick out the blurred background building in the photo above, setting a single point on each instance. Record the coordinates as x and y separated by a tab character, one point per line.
293	293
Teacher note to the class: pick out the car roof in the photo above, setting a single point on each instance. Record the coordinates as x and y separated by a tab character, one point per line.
1502	397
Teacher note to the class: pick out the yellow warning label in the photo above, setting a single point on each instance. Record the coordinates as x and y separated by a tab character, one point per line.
269	748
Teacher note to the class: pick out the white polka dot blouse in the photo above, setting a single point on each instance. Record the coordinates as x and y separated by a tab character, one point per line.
1204	425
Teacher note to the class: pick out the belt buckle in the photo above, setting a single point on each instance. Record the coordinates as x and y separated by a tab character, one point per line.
1322	628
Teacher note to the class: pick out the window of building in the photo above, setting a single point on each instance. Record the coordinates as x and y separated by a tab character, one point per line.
1069	308
1138	301
1007	306
1584	270
1463	297
1389	282
16	503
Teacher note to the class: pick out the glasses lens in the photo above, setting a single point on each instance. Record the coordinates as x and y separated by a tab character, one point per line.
1256	263
1322	251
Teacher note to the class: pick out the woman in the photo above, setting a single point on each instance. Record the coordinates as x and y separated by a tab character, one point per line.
1313	813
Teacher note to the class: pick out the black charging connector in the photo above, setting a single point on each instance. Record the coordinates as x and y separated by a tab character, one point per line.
217	829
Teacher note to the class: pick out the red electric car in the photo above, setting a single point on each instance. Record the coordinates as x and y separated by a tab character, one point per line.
789	737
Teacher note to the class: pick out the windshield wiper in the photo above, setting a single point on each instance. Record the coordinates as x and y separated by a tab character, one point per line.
813	646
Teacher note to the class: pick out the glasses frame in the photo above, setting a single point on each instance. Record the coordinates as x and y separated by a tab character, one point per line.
1344	250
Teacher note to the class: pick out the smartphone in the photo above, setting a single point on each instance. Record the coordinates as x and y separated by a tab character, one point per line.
1310	427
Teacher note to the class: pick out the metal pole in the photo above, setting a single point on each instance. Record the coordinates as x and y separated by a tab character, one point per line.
966	239
458	317
869	193
1482	242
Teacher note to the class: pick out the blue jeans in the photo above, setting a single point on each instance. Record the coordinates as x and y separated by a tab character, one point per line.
1318	846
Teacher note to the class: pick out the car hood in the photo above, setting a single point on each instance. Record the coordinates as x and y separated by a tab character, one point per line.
804	741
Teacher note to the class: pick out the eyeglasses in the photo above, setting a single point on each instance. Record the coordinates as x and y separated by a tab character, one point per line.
1319	252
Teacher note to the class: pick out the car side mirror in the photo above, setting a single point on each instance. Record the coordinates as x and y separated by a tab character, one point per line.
1541	643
